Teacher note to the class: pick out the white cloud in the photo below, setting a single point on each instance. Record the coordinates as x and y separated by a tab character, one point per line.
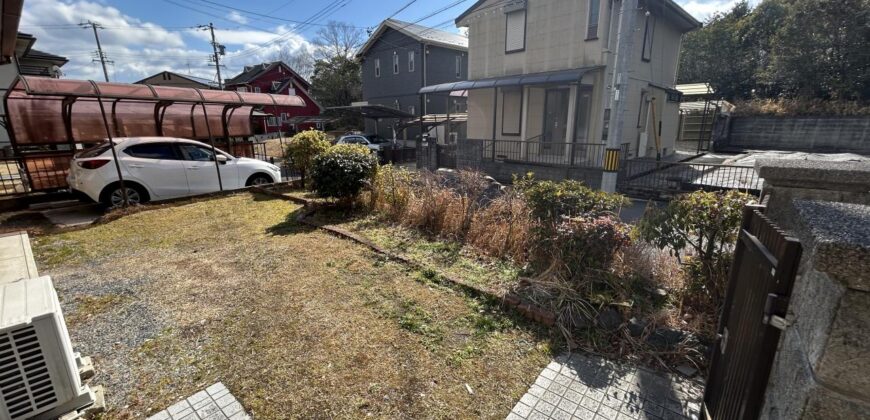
703	9
237	17
138	48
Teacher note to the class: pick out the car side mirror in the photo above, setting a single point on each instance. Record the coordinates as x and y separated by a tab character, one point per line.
222	159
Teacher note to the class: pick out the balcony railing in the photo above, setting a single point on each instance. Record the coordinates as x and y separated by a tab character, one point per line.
584	155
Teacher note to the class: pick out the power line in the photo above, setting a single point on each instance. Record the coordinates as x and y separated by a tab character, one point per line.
248	12
402	8
327	10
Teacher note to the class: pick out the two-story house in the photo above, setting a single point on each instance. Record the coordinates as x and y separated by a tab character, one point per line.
30	62
277	78
169	78
541	83
399	58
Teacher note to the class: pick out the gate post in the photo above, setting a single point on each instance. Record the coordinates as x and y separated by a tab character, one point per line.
821	369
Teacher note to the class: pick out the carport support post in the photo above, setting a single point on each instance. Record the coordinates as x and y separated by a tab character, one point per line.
114	152
217	165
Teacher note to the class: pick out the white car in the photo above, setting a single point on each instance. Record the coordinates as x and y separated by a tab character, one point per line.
373	142
160	168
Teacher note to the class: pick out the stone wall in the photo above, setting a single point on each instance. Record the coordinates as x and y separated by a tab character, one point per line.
822	366
817	134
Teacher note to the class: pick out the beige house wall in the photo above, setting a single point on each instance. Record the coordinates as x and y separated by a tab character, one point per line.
556	40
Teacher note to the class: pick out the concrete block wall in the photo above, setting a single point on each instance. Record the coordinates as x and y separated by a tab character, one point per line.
822	367
819	134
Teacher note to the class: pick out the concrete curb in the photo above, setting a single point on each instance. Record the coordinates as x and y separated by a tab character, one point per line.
511	300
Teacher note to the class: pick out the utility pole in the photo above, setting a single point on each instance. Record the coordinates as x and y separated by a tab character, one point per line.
219	50
619	89
100	54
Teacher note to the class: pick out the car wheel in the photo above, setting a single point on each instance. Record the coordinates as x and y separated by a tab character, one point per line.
258	180
115	197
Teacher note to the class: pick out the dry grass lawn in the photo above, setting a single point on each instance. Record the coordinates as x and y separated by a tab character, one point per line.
296	323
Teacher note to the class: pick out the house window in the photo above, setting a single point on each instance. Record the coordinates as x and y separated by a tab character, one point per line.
291	91
648	38
377	67
241	89
592	23
284	117
395	63
411	55
275	85
272	122
458	66
411	110
511	111
515	33
256	89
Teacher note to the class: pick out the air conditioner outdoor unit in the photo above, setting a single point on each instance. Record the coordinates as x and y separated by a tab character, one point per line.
39	375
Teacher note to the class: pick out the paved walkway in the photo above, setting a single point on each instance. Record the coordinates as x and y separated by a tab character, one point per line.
591	388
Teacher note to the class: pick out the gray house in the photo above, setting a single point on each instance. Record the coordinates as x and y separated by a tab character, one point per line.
395	67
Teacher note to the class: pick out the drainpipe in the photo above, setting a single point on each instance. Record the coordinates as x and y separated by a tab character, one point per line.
619	92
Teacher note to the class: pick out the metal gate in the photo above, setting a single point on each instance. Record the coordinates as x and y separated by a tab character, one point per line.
759	288
446	156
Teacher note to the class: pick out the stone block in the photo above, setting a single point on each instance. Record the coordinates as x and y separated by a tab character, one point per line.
824	405
844	363
814	174
837	236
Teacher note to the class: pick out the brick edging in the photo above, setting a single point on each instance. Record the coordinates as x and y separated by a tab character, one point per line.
512	300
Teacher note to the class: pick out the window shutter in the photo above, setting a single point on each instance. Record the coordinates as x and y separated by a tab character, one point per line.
515	37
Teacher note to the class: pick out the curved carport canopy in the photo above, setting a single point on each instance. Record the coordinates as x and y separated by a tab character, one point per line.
44	111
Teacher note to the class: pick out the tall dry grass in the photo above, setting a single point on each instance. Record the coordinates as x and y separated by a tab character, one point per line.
463	206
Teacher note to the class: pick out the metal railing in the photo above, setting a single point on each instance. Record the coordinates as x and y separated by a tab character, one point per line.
396	155
32	173
676	177
535	151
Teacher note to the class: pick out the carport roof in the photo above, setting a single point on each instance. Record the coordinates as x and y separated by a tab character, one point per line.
558	76
43	86
371	111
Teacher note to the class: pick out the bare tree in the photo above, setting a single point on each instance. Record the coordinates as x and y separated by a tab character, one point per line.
300	60
338	39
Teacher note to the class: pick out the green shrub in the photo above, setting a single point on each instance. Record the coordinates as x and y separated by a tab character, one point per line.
550	200
303	148
590	242
342	170
391	191
705	223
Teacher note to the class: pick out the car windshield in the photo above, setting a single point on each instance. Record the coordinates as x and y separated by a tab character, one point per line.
94	151
377	139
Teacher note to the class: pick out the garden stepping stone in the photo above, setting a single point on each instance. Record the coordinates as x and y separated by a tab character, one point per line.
578	386
212	403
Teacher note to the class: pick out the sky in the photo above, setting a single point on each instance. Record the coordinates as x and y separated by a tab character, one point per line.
144	37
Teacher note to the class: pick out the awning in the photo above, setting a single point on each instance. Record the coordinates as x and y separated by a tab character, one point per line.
371	111
43	111
434	120
313	119
559	76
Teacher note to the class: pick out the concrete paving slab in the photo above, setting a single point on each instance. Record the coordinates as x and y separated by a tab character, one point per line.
75	215
213	403
16	258
588	387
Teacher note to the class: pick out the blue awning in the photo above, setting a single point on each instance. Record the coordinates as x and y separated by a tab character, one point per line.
559	76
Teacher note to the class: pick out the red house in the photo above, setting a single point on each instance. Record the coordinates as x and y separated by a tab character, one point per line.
277	78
